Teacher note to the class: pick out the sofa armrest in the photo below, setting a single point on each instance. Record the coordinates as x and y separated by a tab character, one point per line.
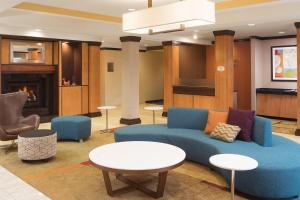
32	120
262	131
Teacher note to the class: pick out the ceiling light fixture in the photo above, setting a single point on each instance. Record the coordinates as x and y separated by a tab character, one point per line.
131	9
38	30
281	32
169	18
195	37
251	24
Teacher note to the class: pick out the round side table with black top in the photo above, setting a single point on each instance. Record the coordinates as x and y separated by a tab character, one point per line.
37	144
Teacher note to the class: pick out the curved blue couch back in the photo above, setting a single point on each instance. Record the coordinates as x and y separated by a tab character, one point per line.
189	118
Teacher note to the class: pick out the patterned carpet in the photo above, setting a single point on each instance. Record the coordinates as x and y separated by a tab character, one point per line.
70	176
284	126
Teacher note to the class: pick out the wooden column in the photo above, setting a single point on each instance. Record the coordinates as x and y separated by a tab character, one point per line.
224	68
0	65
171	73
297	24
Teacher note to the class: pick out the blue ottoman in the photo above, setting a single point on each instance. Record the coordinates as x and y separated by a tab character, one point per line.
72	127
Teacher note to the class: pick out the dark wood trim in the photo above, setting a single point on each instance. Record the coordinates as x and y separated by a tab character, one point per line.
165	114
224	32
154	101
297	132
273	37
19	37
130	39
21	69
110	49
297	25
177	43
192	90
130	121
95	114
278	118
154	48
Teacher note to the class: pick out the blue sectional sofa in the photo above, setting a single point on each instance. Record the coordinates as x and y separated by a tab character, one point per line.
278	172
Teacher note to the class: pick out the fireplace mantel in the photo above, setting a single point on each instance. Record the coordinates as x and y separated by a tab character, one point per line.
27	69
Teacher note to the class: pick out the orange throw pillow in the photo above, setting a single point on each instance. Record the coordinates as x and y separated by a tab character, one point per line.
214	117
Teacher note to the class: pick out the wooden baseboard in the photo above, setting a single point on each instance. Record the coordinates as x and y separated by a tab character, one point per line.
165	114
130	121
95	114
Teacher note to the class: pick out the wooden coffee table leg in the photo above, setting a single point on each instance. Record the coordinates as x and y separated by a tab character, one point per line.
162	179
107	183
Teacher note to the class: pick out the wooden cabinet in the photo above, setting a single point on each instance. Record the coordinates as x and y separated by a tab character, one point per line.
276	105
194	101
71	103
183	100
5	51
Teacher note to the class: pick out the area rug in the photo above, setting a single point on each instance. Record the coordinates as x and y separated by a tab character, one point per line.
70	176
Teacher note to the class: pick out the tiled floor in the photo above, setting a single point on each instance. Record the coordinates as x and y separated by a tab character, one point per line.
13	188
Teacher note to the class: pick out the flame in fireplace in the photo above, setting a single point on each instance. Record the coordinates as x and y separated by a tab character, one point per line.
31	94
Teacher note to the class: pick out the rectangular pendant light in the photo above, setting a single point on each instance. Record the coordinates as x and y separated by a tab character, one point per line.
169	18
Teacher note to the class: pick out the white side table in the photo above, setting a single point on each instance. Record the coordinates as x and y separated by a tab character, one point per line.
153	108
233	162
106	108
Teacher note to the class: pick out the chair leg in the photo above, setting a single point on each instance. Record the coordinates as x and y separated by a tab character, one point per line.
9	147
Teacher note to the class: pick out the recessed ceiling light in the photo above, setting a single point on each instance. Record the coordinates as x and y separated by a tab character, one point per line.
195	37
281	32
131	9
251	24
38	30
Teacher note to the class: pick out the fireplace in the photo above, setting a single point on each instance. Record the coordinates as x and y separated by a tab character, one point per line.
40	90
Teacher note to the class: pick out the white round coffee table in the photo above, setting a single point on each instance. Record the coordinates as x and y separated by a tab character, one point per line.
153	109
233	162
139	158
106	108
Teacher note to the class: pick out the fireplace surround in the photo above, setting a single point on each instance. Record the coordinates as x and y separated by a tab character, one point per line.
39	87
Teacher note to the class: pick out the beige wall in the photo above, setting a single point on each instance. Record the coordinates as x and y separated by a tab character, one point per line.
151	76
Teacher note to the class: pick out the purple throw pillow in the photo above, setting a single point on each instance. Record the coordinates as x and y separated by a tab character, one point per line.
244	119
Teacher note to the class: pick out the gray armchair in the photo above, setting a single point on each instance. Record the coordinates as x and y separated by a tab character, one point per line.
12	123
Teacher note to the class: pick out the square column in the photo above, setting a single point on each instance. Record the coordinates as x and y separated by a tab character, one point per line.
297	24
130	80
224	73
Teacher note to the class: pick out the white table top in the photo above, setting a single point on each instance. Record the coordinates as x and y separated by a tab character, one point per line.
106	107
137	156
233	162
153	108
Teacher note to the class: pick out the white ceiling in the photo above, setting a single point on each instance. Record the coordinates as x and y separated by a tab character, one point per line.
270	18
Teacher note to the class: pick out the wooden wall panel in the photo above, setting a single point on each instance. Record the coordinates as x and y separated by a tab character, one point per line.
5	51
276	105
171	73
48	53
94	78
85	64
210	62
71	100
55	53
183	101
59	63
207	102
85	99
242	74
192	64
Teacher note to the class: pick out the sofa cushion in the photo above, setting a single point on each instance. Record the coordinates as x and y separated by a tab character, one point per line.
214	117
225	132
187	118
262	131
244	119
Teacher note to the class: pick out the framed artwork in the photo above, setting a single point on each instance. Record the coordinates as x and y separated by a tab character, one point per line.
284	63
